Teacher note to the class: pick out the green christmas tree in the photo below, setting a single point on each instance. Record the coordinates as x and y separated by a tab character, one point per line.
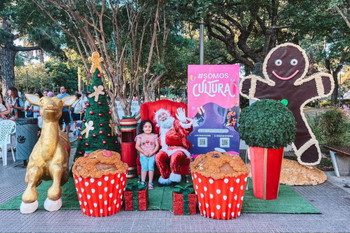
97	126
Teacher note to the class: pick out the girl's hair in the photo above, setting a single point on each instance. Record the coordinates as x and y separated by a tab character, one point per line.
2	99
39	93
142	124
14	92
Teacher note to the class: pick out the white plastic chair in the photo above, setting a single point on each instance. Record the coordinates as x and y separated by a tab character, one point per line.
7	128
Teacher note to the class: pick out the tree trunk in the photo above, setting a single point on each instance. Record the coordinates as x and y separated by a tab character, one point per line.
7	60
334	97
336	93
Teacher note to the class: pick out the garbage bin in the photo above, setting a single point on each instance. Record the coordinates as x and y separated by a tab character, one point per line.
26	137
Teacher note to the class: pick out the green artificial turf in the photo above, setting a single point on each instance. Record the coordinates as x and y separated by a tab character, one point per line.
160	198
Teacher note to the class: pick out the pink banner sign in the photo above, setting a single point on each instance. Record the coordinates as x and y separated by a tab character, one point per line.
213	103
212	83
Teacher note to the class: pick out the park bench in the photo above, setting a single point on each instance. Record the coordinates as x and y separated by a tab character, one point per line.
340	156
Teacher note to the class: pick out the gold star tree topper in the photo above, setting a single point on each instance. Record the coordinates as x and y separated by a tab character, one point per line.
96	60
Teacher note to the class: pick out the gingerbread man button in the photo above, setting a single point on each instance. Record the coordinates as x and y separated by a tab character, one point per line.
285	69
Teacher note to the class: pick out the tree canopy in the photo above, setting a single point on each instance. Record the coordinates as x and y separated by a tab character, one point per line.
148	44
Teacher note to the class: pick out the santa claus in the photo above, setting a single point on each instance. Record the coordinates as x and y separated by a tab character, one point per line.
174	144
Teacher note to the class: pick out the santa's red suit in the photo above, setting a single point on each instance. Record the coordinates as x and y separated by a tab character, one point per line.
174	149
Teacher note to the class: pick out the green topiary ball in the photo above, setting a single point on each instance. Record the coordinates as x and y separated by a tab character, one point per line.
268	124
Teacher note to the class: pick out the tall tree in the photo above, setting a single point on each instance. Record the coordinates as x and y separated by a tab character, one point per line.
248	28
324	34
8	51
131	36
16	22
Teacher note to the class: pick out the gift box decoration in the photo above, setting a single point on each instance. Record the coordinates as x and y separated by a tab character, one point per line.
135	197
184	200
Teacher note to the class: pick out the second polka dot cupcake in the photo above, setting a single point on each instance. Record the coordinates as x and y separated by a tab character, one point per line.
219	181
100	179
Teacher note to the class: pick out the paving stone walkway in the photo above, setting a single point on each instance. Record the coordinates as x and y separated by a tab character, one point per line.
330	198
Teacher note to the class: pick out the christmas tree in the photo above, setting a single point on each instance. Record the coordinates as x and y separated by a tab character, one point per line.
97	127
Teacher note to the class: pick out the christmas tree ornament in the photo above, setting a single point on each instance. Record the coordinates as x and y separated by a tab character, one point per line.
95	59
84	120
87	144
99	75
88	127
98	91
97	104
111	125
104	142
109	112
100	114
81	138
109	135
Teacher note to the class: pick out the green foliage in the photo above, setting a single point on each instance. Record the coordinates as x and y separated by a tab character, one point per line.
334	126
315	125
102	131
34	76
60	74
267	123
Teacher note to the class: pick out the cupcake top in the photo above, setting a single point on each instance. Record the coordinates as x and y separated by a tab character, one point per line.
218	165
99	163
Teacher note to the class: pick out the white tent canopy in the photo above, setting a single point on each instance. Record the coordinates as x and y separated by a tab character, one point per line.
346	95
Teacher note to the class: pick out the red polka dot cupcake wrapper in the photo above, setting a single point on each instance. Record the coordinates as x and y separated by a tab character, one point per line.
220	199
100	197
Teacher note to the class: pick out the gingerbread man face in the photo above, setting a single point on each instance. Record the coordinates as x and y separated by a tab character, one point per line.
286	63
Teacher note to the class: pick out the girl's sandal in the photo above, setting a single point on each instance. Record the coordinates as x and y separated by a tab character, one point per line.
150	186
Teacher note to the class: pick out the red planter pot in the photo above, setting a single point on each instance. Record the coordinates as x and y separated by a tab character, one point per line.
266	169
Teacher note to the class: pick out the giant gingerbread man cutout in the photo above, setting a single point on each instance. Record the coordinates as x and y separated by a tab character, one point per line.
285	69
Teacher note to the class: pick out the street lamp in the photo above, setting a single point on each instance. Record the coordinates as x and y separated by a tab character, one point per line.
27	79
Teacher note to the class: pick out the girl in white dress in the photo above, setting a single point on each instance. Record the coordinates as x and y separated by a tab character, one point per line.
4	108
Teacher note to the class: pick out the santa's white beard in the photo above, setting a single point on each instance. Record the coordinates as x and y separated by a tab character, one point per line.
167	124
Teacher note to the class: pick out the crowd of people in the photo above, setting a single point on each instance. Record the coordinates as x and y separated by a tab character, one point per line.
15	106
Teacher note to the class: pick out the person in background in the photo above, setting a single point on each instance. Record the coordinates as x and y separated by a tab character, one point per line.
36	111
345	108
65	111
15	103
84	97
28	109
78	110
45	92
4	108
